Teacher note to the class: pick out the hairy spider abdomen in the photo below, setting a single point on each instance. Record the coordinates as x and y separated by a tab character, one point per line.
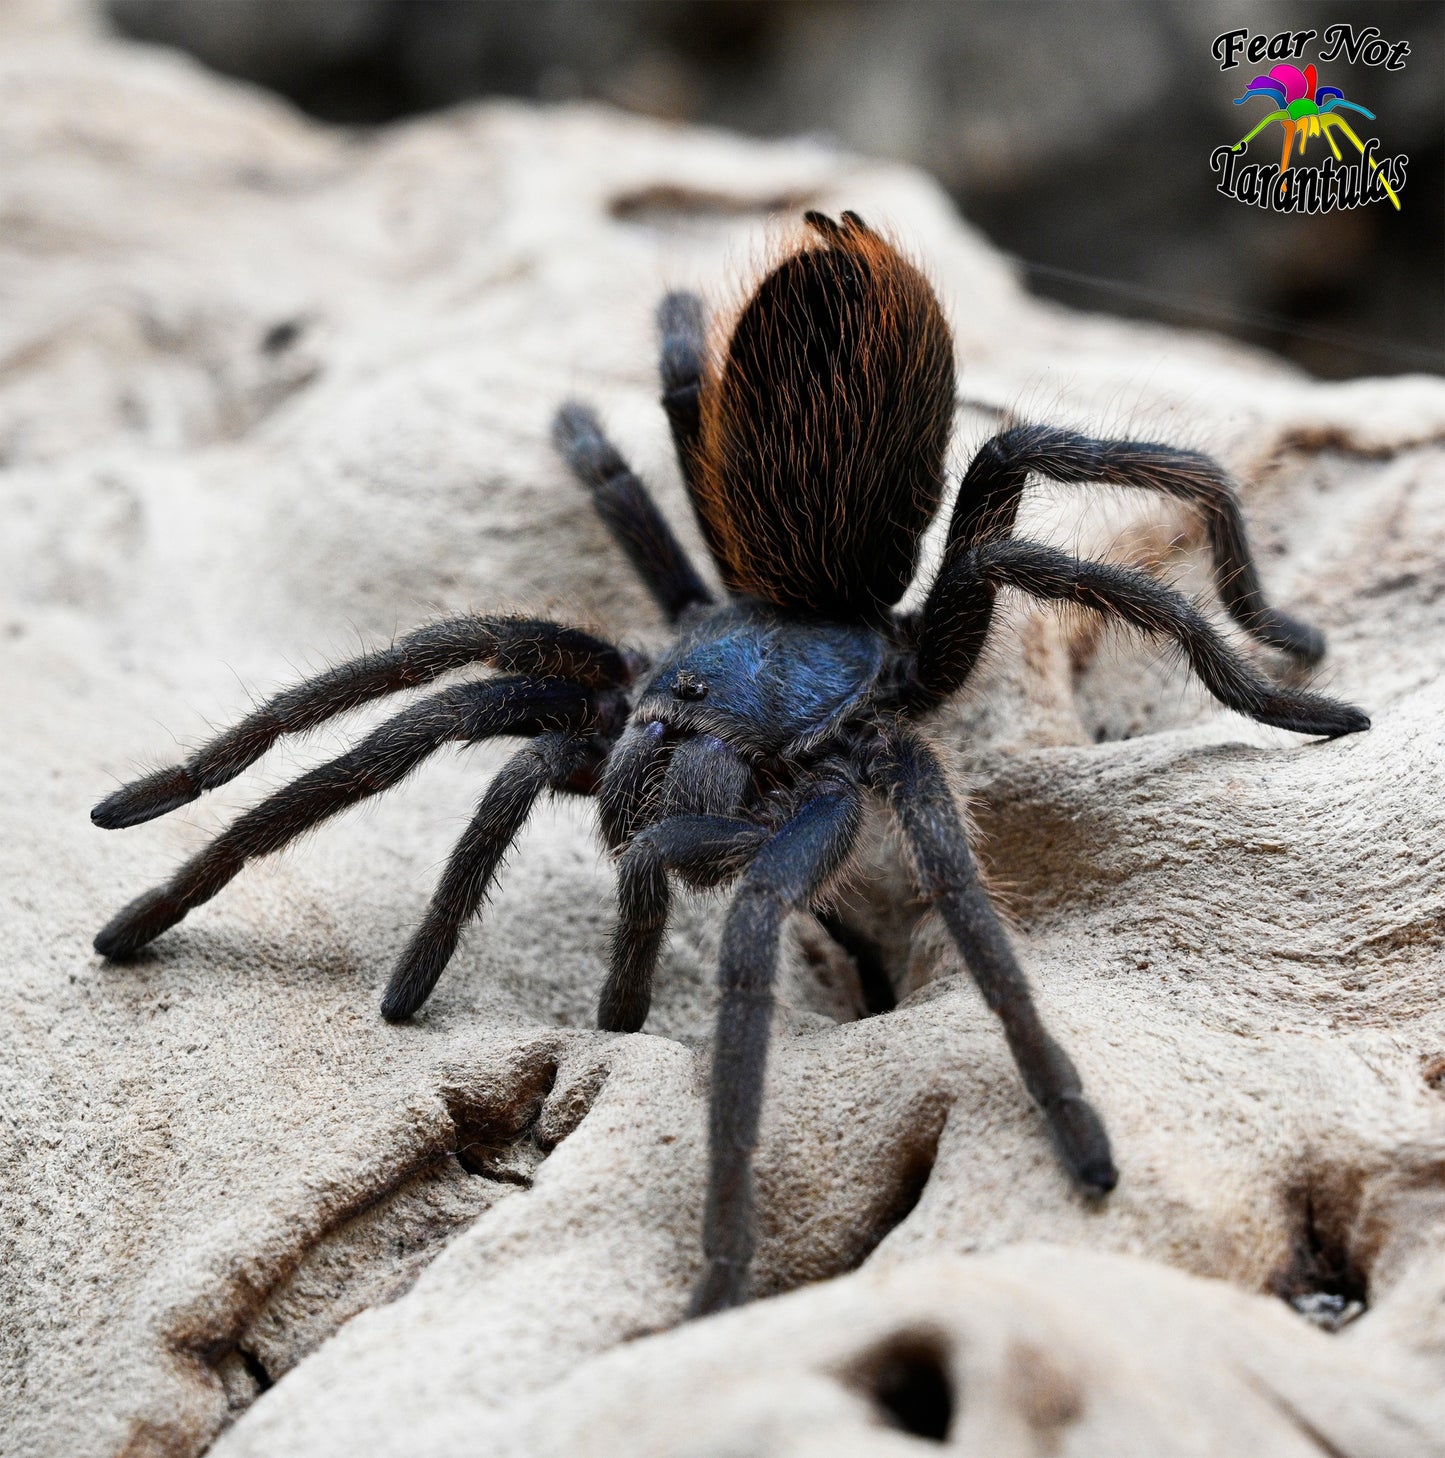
823	428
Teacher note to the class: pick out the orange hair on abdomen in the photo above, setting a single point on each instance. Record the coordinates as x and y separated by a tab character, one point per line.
824	423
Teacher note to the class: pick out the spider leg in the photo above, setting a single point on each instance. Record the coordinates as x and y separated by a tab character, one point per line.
632	780
550	760
467	712
683	333
1279	116
988	501
1360	147
959	606
879	994
1325	120
787	872
682	329
1289	135
628	510
704	850
909	774
515	645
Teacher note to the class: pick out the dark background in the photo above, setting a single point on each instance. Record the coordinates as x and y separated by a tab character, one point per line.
1076	133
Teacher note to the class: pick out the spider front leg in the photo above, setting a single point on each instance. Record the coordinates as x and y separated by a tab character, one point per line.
906	771
988	502
468	712
515	645
705	850
959	609
787	872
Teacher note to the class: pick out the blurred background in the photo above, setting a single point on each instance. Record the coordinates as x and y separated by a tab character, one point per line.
1075	133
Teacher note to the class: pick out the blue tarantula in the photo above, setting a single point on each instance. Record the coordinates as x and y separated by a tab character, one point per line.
812	444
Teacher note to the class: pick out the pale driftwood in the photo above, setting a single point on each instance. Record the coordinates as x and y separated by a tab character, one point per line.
218	1155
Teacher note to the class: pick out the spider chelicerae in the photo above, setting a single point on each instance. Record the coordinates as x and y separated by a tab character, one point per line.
812	442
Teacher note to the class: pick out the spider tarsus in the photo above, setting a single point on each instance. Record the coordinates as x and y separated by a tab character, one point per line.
1311	715
577	436
679	311
1083	1144
146	799
137	924
1098	1181
719	1289
1290	635
619	1013
681	328
416	973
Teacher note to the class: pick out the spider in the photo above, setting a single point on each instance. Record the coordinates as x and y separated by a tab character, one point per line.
811	440
1307	112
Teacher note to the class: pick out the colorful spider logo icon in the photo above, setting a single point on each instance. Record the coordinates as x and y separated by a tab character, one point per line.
1307	110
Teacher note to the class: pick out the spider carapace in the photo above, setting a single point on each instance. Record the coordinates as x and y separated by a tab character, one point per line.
811	439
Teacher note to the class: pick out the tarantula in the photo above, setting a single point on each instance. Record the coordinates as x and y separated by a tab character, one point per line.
811	441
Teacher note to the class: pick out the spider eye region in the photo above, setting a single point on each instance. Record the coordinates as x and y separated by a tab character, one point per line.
753	677
689	686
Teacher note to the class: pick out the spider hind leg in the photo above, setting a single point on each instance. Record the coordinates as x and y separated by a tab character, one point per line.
682	333
989	496
957	613
628	511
